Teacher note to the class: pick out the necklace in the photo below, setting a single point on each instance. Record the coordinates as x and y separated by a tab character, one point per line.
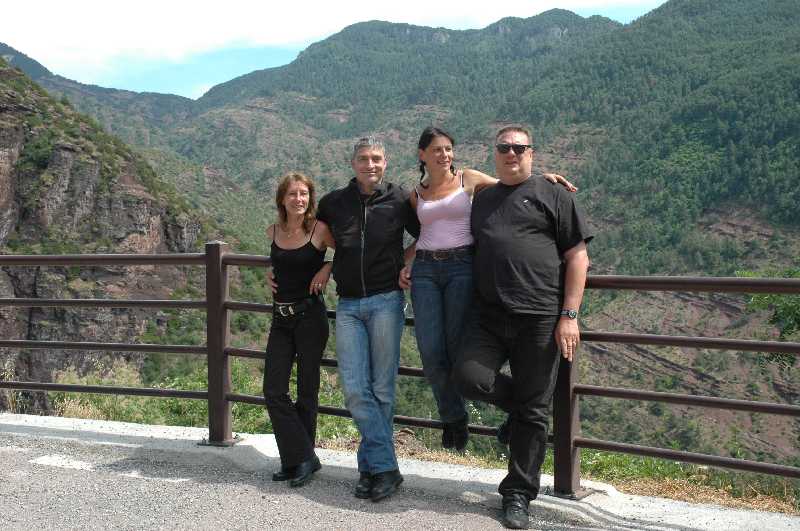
293	232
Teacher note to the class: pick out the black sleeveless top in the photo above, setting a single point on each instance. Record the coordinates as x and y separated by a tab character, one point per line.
294	269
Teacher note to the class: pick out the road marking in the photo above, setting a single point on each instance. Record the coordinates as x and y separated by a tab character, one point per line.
14	449
73	439
61	461
138	475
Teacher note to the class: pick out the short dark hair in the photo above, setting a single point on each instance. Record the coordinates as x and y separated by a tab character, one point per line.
514	129
367	142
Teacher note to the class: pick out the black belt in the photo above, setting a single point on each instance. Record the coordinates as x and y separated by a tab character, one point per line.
444	254
288	309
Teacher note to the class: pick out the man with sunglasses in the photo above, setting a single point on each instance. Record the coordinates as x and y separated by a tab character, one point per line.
530	269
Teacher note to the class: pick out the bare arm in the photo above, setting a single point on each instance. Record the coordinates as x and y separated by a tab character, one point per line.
323	240
577	263
320	280
405	274
475	181
270	272
560	179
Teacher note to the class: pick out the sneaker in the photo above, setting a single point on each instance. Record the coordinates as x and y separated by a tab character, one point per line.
515	511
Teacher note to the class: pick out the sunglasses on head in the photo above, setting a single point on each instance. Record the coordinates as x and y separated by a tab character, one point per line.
519	149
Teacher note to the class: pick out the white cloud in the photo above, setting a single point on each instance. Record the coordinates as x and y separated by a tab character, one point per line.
90	35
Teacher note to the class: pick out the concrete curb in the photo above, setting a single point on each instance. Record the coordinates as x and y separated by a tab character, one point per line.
605	507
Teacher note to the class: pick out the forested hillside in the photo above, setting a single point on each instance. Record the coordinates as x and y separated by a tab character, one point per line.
682	130
66	187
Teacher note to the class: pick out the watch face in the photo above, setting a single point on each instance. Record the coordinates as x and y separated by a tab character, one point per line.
572	314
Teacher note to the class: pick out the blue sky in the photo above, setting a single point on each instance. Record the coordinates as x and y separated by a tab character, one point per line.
186	47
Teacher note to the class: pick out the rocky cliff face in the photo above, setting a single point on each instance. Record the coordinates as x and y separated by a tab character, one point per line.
67	187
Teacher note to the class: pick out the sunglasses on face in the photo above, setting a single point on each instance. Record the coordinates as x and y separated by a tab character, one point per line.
519	149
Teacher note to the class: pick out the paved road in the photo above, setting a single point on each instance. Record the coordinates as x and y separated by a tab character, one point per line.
68	474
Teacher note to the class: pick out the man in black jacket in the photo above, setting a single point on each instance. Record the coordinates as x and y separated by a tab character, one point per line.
368	218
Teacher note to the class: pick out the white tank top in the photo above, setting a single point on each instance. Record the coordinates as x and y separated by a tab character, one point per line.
445	222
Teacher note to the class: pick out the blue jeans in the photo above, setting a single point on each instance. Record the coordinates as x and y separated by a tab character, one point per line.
441	292
368	332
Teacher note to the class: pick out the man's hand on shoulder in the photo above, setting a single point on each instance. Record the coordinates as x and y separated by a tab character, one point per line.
555	178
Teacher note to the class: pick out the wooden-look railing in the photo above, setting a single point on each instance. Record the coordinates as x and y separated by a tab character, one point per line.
566	438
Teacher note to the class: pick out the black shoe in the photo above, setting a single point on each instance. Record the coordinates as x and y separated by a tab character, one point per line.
364	485
305	471
504	431
515	511
447	435
460	435
384	484
284	474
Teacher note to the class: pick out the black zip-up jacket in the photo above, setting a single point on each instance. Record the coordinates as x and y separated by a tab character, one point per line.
369	237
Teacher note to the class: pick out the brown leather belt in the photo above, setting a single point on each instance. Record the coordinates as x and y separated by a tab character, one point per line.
444	254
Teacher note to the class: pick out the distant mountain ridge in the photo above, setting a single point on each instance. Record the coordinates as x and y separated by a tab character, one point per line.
405	56
661	103
33	68
682	130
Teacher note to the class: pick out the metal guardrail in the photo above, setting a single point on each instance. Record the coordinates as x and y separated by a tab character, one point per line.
566	437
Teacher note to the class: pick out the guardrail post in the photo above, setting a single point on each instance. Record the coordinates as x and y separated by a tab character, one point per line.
566	426
217	331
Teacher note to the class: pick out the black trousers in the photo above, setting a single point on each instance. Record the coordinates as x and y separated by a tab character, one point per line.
528	343
302	337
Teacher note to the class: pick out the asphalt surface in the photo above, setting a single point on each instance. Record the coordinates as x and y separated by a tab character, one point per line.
58	473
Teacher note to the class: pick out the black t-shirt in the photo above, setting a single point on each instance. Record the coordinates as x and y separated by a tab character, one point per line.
521	233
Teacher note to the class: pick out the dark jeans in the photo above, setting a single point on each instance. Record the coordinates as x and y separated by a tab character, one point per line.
528	343
295	424
441	291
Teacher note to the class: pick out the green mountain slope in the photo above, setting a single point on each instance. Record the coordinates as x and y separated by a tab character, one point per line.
67	186
31	67
682	130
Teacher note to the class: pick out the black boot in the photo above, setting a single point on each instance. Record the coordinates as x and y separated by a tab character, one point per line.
384	484
460	435
284	474
364	486
515	511
447	435
455	435
305	471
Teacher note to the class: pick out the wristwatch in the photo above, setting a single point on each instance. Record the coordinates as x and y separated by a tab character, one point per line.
572	314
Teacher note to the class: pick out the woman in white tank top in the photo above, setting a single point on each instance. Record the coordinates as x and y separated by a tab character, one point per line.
441	277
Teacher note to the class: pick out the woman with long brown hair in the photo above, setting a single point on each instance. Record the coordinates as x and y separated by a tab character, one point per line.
299	327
